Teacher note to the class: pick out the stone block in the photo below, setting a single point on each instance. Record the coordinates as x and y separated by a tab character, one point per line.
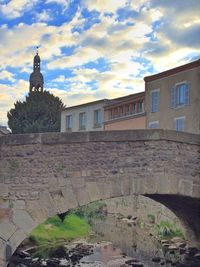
4	203
5	213
3	190
2	250
93	191
70	197
35	210
19	205
185	187
82	196
7	228
59	201
47	205
163	183
23	220
174	182
138	186
78	182
125	186
150	184
16	239
196	191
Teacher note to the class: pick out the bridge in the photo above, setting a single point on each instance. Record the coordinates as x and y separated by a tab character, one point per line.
45	174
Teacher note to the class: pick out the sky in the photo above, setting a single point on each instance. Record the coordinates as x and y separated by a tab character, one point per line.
93	49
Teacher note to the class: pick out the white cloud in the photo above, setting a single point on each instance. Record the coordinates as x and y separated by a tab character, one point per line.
9	94
44	16
104	5
6	75
15	8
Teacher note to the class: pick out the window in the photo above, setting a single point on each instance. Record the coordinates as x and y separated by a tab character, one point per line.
97	118
69	122
154	124
127	109
180	95
180	124
134	108
155	100
82	121
140	106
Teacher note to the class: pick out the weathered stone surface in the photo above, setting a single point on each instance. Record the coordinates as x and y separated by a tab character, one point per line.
7	228
45	174
23	220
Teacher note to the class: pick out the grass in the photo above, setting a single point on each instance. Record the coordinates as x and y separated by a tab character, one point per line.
91	211
53	233
166	229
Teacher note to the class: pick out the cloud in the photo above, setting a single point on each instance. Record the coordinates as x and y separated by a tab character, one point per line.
51	38
9	94
44	16
15	8
6	75
104	5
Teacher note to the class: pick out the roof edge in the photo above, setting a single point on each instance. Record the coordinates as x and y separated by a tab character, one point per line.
173	71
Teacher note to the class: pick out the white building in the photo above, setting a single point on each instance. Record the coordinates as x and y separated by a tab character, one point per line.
85	117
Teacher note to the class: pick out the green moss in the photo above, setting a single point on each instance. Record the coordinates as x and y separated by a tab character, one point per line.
51	234
53	229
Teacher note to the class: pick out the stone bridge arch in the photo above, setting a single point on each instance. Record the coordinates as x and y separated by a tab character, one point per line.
45	174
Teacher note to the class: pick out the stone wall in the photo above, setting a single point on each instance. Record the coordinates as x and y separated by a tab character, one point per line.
45	174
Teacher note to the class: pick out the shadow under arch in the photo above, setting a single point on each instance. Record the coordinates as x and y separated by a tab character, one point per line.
187	209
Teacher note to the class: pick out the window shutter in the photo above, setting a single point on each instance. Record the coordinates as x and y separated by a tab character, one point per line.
173	97
158	100
187	93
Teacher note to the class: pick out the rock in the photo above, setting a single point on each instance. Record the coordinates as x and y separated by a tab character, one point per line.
172	248
60	252
53	263
22	253
164	241
192	251
156	259
197	256
182	250
133	218
137	264
181	245
131	261
176	240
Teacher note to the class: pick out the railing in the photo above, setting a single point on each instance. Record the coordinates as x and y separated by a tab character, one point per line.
124	115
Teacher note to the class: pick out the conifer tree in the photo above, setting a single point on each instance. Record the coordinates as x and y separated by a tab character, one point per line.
40	112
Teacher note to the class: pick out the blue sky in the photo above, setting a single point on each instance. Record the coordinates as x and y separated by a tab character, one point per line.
93	49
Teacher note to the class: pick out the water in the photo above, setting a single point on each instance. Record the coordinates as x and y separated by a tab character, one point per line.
125	239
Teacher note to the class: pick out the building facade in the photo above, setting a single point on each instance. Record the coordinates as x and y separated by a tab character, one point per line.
85	117
125	113
172	99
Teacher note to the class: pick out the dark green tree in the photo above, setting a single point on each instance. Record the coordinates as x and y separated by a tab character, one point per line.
39	113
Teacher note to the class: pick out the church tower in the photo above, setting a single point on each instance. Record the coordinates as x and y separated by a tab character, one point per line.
36	78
